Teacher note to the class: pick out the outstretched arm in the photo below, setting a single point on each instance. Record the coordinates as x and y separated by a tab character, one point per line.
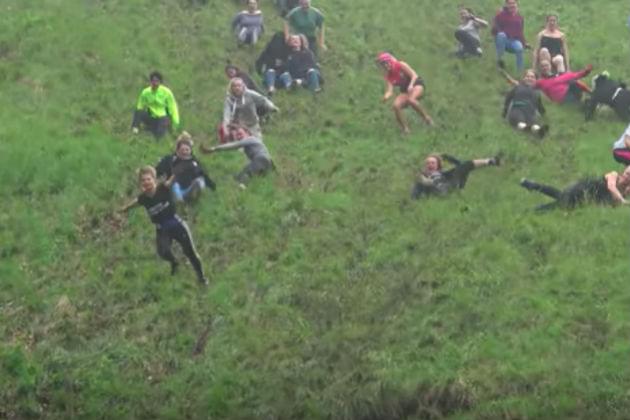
611	183
509	78
129	205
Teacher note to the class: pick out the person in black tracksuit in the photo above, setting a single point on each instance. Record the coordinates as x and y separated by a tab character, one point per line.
156	198
522	104
609	189
272	60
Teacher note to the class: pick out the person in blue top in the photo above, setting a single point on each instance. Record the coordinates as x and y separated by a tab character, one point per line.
156	108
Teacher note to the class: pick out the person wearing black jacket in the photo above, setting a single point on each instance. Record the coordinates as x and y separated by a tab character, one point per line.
523	103
301	67
189	177
271	61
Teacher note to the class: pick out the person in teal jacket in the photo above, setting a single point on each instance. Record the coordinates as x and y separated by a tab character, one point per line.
156	108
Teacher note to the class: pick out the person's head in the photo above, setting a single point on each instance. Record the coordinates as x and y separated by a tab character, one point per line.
529	77
237	87
147	179
432	163
252	6
551	22
231	71
545	67
465	13
184	145
385	61
239	132
305	4
155	78
295	42
511	6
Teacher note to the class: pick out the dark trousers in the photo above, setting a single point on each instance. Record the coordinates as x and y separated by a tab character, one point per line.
469	42
453	179
524	113
258	166
158	126
572	196
179	232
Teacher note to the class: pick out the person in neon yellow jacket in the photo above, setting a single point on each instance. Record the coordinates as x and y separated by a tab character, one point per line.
156	108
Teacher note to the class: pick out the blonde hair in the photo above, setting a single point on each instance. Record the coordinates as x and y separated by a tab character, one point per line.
184	138
150	170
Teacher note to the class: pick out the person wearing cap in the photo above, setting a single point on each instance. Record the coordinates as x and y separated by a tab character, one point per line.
400	74
189	176
308	21
156	108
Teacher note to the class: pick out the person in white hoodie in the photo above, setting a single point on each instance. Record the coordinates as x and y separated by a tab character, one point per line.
240	107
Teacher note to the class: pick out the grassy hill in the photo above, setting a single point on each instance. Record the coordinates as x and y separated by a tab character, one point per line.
332	294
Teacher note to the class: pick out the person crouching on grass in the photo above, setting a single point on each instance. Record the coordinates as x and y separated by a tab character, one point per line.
156	198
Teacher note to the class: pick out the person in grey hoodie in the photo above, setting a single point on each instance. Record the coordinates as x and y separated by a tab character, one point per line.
259	158
248	24
240	107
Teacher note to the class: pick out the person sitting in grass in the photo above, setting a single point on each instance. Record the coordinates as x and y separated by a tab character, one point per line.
156	198
248	25
434	180
259	158
400	74
551	45
467	33
301	69
241	105
507	29
610	189
232	72
189	176
271	61
156	108
522	106
308	21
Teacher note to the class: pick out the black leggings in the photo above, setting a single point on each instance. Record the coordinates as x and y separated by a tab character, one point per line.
469	42
157	126
574	195
256	167
178	231
522	114
452	179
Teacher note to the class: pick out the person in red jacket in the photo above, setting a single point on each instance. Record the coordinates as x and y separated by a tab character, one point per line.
507	29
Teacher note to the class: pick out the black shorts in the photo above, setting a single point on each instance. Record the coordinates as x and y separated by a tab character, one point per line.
418	82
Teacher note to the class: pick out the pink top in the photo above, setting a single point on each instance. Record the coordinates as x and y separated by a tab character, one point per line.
556	88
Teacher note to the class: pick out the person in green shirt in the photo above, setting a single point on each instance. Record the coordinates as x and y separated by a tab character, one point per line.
308	21
156	108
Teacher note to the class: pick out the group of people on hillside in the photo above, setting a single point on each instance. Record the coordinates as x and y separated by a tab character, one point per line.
289	60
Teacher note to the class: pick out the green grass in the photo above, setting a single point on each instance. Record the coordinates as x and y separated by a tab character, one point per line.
332	294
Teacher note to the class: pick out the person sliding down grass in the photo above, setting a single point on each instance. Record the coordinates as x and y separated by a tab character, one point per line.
156	198
398	73
611	189
523	103
240	106
156	108
189	176
259	158
434	180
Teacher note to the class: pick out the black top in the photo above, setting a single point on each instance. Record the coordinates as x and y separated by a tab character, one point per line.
274	55
185	170
523	96
554	45
161	207
300	62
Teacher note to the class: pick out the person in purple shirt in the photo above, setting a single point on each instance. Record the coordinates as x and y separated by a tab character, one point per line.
507	29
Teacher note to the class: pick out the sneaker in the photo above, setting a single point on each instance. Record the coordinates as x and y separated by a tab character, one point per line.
203	281
495	161
527	184
543	131
242	186
478	51
174	267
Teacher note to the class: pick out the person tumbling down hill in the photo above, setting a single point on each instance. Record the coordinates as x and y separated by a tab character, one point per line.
400	74
240	106
156	108
522	106
610	189
434	180
156	198
259	158
189	177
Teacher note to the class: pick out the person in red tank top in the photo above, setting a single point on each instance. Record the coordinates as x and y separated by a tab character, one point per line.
400	74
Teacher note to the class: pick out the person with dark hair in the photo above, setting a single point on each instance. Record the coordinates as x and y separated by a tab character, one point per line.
467	33
240	106
156	108
248	25
621	148
301	68
189	176
611	189
259	158
285	6
551	45
272	61
434	180
400	74
523	105
609	92
507	29
308	21
232	71
156	198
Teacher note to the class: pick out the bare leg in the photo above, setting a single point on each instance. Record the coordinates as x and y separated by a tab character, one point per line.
399	104
414	101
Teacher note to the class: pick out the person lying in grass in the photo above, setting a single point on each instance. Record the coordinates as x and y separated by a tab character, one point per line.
610	189
259	158
156	198
434	180
400	74
522	106
189	176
